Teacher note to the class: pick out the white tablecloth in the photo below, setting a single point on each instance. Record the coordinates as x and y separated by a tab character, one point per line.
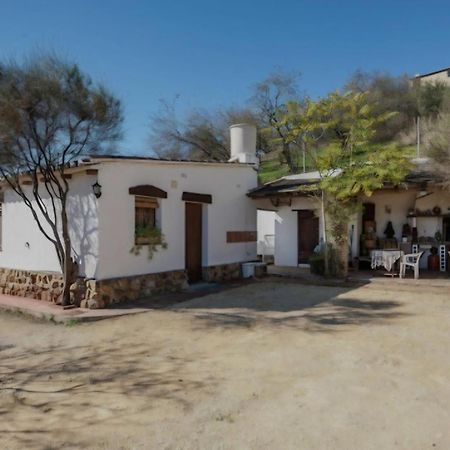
385	258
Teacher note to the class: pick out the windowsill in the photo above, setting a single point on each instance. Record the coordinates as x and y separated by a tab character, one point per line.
141	241
146	241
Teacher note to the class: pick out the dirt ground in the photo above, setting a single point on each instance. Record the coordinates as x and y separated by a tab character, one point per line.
271	365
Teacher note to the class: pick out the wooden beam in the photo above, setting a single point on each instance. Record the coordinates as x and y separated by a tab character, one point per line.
197	198
91	171
147	190
241	236
67	176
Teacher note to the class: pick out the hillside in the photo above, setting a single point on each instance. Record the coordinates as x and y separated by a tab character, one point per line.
273	168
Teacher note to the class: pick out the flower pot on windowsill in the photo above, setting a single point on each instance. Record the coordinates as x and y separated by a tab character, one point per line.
149	237
148	240
142	240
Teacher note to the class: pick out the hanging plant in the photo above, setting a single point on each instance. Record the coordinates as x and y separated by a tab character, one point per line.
150	237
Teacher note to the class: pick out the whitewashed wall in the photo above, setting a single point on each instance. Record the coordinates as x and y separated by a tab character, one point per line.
25	247
389	206
266	227
231	210
286	228
399	202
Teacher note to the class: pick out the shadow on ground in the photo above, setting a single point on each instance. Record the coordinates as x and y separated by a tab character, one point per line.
131	373
78	386
310	308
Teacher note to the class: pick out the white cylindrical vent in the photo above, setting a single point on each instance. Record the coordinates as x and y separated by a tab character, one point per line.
243	143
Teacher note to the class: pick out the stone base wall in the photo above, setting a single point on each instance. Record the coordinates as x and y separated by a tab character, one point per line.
45	286
223	272
102	293
96	294
89	293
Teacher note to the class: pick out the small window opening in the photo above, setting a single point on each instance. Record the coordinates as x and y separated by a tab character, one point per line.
145	219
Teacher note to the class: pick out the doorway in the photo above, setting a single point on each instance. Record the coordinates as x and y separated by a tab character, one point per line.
446	229
308	234
193	241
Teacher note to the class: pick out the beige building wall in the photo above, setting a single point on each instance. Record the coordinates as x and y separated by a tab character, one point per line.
442	77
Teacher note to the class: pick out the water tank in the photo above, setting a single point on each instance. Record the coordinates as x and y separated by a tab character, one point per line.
243	143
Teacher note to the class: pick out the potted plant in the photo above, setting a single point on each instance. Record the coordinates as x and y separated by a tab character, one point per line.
369	239
406	232
151	237
433	259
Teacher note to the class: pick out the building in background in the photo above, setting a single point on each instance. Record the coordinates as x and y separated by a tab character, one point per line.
439	76
419	211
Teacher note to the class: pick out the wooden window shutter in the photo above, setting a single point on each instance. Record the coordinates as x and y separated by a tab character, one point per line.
145	202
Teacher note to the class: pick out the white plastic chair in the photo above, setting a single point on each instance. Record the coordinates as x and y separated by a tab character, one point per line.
410	260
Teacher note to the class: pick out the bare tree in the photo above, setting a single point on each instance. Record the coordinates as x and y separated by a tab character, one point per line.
201	135
51	114
270	99
204	134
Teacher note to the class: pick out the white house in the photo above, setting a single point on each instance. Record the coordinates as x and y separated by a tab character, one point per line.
202	209
419	211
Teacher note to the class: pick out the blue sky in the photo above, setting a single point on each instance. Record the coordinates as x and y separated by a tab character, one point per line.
210	53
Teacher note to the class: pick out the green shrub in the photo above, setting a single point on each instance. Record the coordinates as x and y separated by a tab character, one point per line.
317	262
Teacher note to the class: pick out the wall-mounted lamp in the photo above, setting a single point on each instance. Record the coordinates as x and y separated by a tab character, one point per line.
97	189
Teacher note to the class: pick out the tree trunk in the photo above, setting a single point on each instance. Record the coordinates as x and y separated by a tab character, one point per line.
326	252
67	263
342	259
288	158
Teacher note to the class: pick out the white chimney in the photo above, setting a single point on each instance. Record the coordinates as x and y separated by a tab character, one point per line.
243	143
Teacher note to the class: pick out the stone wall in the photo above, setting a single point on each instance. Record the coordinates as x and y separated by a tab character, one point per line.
102	293
96	294
89	293
47	286
227	272
223	272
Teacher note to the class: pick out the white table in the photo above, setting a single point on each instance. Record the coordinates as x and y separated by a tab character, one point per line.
385	258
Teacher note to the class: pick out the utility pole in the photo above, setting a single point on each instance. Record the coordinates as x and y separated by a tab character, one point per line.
418	136
304	158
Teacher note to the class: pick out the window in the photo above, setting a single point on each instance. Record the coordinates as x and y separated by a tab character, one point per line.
144	218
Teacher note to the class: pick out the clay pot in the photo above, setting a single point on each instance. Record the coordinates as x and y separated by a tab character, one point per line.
433	263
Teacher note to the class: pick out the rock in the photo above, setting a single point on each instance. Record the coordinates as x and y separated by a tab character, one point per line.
77	292
91	284
95	303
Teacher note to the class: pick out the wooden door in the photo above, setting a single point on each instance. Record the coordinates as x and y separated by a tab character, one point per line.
193	240
368	211
308	234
